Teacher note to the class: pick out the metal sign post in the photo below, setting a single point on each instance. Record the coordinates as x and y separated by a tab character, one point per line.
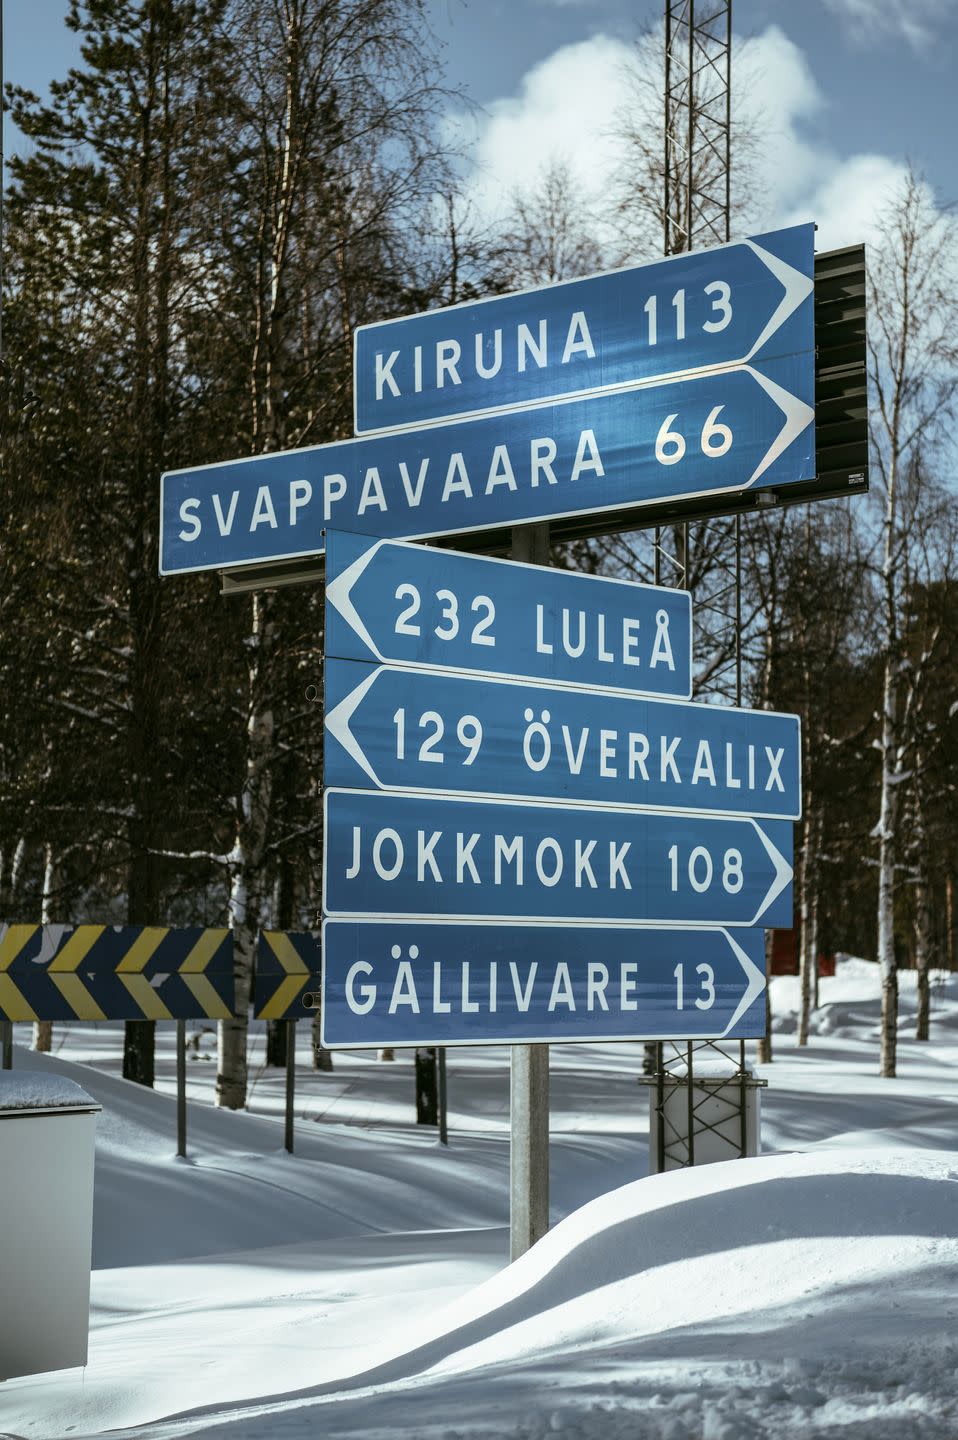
290	1084
181	1089
529	1064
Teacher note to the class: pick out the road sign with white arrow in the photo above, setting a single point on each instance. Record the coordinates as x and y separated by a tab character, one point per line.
397	728
387	600
733	304
416	982
713	433
442	856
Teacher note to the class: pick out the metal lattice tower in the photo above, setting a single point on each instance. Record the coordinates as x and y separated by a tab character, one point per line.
697	170
703	557
698	123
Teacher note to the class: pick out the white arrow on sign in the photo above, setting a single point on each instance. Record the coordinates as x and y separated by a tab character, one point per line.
338	595
798	287
798	416
755	980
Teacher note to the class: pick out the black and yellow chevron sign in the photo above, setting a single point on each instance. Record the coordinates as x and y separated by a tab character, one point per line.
287	964
115	972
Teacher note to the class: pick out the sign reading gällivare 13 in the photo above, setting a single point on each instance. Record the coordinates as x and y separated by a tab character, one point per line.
420	982
732	304
710	434
387	600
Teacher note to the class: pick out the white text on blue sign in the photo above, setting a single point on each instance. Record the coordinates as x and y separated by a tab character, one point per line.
388	600
398	728
403	982
442	856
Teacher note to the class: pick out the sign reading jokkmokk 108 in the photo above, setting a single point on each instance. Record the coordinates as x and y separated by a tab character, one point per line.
446	856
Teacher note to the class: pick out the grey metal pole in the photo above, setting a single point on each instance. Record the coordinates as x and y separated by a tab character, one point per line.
290	1082
6	1043
181	1088
529	1078
441	1096
691	1102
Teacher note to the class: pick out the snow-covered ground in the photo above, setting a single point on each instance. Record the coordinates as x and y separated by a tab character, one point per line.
360	1288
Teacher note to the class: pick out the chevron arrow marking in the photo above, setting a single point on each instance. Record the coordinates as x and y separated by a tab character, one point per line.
62	971
192	974
13	1003
130	969
296	970
12	940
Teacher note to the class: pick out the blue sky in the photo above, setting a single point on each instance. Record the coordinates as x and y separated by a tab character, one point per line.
848	90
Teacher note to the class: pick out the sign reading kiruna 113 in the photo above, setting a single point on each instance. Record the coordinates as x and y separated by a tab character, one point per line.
725	406
733	304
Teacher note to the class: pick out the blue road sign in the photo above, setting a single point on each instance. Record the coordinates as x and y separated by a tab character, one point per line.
396	728
387	600
415	982
707	435
439	856
729	305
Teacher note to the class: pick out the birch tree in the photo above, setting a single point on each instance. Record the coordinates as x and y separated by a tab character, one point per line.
913	350
332	102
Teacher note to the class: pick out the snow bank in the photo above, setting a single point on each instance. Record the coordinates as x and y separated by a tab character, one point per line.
792	1295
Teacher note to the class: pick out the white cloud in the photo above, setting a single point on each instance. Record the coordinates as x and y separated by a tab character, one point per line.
567	108
848	202
871	21
564	111
798	174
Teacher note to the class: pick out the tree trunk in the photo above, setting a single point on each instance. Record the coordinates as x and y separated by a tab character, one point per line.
808	958
815	931
322	1059
427	1086
922	952
246	861
282	919
763	1049
43	1029
231	1060
887	829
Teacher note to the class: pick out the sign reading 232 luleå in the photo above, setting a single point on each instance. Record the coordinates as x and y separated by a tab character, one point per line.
744	302
398	728
415	605
713	433
432	855
421	982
